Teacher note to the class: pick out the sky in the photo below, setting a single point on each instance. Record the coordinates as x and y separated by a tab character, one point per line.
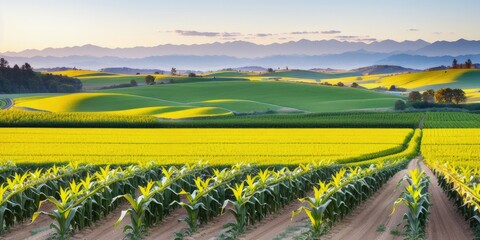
34	24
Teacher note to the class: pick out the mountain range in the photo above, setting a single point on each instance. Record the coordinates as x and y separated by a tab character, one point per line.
300	54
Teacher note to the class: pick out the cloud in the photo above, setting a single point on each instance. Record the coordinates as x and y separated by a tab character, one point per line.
413	30
367	39
263	35
331	32
304	32
347	37
190	33
197	33
437	33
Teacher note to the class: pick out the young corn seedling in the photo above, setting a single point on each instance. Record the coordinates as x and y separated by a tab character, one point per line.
317	205
416	198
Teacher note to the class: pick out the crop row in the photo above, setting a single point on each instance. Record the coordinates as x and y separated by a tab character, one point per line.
18	118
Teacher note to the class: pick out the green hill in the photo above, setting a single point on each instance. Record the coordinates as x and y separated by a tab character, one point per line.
306	97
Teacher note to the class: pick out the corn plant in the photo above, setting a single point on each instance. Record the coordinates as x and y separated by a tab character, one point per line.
268	192
22	193
161	193
80	201
347	188
416	198
63	215
201	204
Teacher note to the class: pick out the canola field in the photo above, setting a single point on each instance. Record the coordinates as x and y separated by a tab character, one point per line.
459	146
180	146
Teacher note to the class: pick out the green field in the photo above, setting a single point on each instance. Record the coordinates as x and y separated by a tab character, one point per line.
303	97
213	99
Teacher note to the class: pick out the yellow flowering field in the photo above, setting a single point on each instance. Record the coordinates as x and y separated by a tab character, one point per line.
179	146
452	145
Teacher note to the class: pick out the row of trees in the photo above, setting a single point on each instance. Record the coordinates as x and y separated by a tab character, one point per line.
467	65
22	79
443	95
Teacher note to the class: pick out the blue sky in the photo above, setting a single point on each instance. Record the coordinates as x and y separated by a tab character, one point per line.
120	23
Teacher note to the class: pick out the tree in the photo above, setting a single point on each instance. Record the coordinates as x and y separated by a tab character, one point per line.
192	74
27	67
468	64
340	84
156	73
431	92
149	80
392	88
3	63
270	70
427	97
133	83
458	96
455	63
400	105
414	96
173	71
444	95
354	85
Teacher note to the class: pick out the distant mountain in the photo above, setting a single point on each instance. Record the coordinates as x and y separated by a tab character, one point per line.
382	69
205	63
476	65
423	62
125	70
235	49
250	69
349	60
442	48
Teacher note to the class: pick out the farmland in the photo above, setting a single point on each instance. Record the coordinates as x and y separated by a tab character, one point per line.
215	98
218	146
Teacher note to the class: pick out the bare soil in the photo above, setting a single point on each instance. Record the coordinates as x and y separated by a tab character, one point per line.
366	218
104	228
444	221
40	229
167	228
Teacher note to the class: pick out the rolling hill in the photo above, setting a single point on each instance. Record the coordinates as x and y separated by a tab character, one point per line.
213	99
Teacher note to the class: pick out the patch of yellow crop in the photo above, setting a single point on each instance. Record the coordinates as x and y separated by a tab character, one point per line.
195	112
451	145
64	103
76	73
179	146
175	112
473	95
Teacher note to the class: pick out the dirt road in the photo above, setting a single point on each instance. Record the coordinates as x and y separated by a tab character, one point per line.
366	218
444	221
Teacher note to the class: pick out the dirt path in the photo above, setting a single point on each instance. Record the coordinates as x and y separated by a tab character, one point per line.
274	225
167	228
420	124
40	229
366	218
444	222
214	228
104	228
8	103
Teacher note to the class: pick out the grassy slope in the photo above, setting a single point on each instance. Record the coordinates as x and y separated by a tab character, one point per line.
118	103
453	78
299	96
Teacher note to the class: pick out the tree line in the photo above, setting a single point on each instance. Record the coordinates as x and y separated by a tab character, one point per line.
442	95
22	79
467	65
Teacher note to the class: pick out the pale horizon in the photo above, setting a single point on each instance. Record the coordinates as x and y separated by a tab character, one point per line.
56	24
